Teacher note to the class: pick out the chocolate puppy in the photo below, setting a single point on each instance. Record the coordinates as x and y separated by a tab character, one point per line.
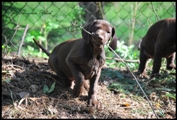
82	59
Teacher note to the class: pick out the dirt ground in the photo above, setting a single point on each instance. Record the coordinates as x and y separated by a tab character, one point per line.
23	81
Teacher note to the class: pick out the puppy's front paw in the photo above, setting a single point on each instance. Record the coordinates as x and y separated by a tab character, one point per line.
77	91
94	106
171	66
93	102
143	76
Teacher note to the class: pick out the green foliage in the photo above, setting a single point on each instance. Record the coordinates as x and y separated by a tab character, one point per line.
119	87
125	52
122	84
171	95
8	80
52	23
160	113
48	18
116	87
6	49
121	14
47	90
165	77
112	73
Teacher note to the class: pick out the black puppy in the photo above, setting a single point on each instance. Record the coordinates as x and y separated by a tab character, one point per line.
160	41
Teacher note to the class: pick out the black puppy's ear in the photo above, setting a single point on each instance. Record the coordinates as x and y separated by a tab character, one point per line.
88	28
113	42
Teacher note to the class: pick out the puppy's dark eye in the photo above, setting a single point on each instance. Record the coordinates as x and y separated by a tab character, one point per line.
108	31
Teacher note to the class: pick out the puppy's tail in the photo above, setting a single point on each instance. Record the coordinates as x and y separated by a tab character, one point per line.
43	49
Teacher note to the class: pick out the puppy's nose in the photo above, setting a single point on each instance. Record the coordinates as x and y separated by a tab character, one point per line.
96	36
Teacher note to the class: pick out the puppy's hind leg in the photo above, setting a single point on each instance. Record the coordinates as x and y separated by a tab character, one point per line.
66	82
53	63
143	64
86	86
170	62
63	78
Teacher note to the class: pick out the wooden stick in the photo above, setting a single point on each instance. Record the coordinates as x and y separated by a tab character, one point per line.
118	60
23	37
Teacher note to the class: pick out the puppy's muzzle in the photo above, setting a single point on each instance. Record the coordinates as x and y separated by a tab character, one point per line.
97	39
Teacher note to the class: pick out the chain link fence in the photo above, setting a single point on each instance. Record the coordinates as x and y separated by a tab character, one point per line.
55	22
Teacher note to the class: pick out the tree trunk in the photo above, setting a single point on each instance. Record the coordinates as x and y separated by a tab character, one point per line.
134	10
93	10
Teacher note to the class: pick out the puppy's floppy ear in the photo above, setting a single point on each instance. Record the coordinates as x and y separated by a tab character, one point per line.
113	42
88	28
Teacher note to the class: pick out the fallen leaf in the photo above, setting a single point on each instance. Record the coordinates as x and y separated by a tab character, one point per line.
23	94
125	105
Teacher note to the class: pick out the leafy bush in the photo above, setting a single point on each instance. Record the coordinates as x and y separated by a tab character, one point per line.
126	53
48	27
6	49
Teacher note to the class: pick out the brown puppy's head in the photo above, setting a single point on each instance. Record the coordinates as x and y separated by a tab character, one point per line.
101	32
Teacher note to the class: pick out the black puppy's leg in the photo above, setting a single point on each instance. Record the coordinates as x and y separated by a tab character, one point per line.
63	78
78	77
143	62
156	63
79	84
86	85
170	62
54	65
92	101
